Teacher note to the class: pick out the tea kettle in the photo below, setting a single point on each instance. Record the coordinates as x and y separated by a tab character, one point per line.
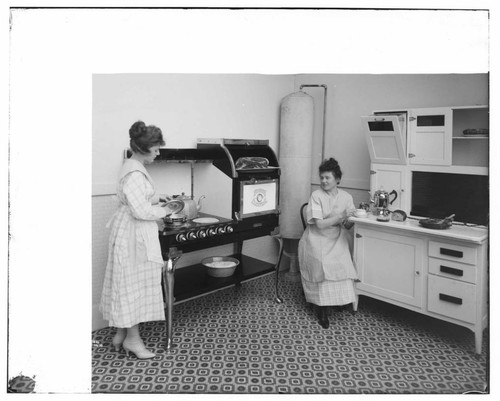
191	207
381	198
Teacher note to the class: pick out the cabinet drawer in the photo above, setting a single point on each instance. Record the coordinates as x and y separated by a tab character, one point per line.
457	253
452	270
452	298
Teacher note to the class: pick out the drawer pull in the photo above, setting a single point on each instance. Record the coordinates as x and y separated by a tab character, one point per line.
451	252
449	298
451	270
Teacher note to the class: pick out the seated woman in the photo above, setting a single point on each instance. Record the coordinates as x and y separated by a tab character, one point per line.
326	266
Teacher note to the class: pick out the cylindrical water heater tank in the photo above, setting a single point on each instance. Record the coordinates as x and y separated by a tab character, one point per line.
295	152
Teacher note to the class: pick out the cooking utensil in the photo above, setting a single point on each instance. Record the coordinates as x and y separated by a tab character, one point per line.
191	207
450	218
437	224
173	206
476	132
220	266
381	198
175	219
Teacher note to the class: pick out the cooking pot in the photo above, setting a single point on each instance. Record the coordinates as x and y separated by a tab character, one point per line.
191	207
381	199
175	219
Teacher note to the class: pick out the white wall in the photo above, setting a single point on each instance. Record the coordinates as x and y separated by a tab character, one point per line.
185	107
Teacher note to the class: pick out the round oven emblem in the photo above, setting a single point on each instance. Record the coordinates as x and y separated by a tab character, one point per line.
259	197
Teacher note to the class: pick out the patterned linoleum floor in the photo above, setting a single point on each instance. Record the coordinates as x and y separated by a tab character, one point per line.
240	341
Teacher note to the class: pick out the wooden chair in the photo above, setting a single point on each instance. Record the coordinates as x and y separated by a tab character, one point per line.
302	218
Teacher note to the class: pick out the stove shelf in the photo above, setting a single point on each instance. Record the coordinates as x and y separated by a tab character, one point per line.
193	281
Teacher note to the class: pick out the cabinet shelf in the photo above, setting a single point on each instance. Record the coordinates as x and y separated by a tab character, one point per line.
193	281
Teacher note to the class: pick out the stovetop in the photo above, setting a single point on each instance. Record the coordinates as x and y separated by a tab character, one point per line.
190	225
193	236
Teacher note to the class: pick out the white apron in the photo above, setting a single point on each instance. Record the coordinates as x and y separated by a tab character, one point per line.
132	290
325	260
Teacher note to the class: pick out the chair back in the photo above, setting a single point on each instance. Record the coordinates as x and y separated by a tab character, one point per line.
302	217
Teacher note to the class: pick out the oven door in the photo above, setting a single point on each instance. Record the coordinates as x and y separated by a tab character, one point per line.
258	197
386	138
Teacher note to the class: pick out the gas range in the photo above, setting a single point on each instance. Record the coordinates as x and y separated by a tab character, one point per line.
193	235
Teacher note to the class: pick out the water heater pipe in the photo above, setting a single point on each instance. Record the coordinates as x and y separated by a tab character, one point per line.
324	114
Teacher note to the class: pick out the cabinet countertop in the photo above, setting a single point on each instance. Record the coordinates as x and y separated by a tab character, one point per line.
476	235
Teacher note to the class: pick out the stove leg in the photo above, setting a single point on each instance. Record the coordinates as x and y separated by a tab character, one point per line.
277	268
238	248
168	289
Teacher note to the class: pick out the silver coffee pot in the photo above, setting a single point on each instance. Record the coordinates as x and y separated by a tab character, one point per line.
382	199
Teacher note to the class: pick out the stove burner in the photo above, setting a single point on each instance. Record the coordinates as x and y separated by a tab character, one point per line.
178	226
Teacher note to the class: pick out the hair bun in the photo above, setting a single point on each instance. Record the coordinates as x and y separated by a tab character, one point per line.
137	129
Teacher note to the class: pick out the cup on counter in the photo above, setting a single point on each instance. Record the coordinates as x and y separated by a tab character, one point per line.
360	213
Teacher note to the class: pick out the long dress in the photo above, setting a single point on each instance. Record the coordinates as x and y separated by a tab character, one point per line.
132	291
325	261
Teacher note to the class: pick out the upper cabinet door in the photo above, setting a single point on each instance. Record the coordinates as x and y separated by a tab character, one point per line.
385	139
430	138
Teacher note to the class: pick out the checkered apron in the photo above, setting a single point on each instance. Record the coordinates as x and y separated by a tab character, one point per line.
132	290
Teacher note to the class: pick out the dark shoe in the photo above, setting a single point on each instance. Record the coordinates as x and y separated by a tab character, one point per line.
323	317
324	323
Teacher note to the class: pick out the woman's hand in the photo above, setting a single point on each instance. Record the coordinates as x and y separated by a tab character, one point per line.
347	223
163	198
332	220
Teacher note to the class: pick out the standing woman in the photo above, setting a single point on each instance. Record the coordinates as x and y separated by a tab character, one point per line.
325	261
132	290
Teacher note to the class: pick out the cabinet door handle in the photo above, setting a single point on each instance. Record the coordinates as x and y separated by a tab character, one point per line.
451	270
410	155
359	235
449	298
451	252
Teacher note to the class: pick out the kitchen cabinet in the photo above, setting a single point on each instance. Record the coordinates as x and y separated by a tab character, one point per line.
390	177
421	137
439	273
386	137
397	277
430	136
438	139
